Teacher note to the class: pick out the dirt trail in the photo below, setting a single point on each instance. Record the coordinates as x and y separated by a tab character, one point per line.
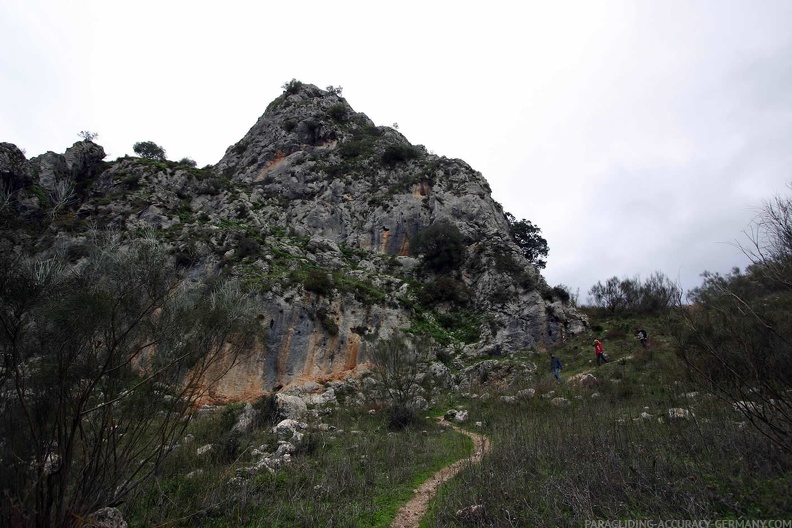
410	514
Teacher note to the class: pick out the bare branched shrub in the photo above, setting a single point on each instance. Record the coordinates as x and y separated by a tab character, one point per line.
651	296
102	365
399	363
61	196
87	135
737	336
6	195
769	244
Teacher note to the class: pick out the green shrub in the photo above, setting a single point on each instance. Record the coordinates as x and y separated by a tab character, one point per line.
401	416
445	290
248	247
328	322
462	325
149	150
41	194
528	237
266	408
562	293
230	445
319	282
292	87
399	153
442	246
338	112
355	148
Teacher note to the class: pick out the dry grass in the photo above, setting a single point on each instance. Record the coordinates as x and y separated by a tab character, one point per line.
613	453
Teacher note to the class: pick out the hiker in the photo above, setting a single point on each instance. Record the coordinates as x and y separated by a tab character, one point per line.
555	367
644	337
600	353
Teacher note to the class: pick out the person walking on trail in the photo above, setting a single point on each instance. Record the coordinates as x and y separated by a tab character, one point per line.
555	367
644	337
598	350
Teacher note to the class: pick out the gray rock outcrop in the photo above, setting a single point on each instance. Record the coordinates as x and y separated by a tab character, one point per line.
15	172
290	407
317	209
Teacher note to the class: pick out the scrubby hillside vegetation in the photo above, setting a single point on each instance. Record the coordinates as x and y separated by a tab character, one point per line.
671	430
273	340
638	437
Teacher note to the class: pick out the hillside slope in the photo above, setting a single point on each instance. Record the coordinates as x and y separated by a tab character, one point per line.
315	209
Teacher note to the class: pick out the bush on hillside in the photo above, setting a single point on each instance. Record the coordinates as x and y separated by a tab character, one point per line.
563	293
652	296
399	153
736	337
529	238
445	290
109	359
292	87
319	282
337	111
149	150
442	246
398	364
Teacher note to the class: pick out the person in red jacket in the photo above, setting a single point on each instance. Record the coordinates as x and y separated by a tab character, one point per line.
599	352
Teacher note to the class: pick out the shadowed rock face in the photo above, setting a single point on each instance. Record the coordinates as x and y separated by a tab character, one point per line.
317	209
15	173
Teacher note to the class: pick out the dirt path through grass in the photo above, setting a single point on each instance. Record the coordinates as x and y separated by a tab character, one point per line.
410	514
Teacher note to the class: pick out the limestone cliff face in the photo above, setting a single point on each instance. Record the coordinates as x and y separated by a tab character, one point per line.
353	183
317	210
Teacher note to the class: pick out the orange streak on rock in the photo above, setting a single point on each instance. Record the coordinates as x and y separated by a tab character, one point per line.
352	351
271	164
384	245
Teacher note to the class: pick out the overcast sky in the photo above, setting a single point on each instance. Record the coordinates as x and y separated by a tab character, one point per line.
638	135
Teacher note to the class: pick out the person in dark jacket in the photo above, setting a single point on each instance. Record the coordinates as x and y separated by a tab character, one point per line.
555	367
644	337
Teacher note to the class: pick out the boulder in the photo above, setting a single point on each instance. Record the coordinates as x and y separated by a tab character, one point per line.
455	415
586	380
105	518
289	427
328	397
677	413
292	407
526	394
418	403
246	419
440	374
84	160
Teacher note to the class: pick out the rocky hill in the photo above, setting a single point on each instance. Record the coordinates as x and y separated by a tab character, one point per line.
318	210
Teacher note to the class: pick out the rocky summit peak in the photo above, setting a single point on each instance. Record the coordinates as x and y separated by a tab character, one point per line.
345	230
